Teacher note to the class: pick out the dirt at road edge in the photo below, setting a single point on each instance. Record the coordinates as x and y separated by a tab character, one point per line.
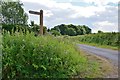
107	69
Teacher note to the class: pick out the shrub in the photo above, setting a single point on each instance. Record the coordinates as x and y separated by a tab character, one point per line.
55	33
27	56
110	39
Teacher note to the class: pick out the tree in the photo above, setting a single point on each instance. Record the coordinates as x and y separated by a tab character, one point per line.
55	33
71	32
62	29
48	30
44	29
87	29
36	28
99	31
32	23
13	13
79	31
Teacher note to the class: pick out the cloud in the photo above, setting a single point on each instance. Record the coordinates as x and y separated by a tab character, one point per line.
93	15
48	13
86	11
105	26
101	2
78	10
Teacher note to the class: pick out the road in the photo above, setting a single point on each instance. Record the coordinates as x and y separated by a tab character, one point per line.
112	55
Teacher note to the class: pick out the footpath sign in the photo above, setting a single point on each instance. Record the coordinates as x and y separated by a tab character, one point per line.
41	19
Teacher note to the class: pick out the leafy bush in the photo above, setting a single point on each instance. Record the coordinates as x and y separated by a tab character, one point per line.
99	31
27	56
110	39
55	33
12	28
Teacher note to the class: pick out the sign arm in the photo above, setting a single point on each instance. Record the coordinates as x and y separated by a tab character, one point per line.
41	19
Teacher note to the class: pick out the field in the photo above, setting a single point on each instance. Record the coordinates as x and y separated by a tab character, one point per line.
27	56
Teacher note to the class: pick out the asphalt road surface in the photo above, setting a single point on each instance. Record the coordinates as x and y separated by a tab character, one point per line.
112	55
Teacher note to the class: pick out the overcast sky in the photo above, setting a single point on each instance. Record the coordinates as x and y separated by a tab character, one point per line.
97	14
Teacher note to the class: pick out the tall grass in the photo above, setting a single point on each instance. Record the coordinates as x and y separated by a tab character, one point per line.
109	40
27	56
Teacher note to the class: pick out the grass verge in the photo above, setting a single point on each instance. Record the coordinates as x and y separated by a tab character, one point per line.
100	46
106	69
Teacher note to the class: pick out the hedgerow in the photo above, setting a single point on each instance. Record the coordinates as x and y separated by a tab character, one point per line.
27	56
111	39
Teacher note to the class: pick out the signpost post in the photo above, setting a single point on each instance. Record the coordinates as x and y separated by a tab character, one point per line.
41	19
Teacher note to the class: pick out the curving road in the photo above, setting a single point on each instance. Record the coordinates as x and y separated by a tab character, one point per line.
112	55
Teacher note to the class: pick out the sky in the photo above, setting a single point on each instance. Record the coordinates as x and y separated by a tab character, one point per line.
96	14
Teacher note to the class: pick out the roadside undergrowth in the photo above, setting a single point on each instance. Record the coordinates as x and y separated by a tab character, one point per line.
106	69
27	56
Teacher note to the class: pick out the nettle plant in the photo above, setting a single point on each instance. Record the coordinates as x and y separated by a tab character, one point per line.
27	56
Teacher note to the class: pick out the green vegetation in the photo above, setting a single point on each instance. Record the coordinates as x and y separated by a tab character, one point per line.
100	46
27	56
72	30
105	40
13	16
13	13
55	33
35	28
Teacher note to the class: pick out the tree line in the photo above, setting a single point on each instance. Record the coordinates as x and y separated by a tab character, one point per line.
71	30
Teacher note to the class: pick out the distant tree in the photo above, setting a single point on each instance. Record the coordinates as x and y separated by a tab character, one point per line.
72	30
35	28
79	31
48	30
99	31
62	29
71	26
55	33
44	30
32	23
87	29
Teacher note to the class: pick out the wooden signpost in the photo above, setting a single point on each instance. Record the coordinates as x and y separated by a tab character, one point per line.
41	19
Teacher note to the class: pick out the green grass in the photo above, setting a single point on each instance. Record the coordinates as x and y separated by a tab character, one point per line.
27	56
100	46
103	40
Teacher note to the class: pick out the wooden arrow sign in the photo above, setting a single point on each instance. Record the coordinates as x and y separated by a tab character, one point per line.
41	19
34	12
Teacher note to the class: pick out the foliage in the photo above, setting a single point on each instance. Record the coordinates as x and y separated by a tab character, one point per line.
72	30
27	56
13	16
12	28
32	23
99	31
111	39
13	13
36	28
55	33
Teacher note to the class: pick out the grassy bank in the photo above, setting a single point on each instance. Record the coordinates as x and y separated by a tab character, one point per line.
106	68
100	46
103	40
27	56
